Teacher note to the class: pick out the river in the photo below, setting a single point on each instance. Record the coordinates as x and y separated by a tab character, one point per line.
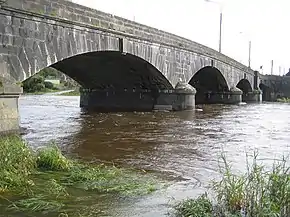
181	147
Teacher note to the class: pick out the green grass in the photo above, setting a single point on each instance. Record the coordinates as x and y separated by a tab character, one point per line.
200	207
16	164
43	92
72	93
52	159
259	192
284	100
45	181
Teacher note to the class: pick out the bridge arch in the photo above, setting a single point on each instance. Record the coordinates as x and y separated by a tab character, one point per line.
208	82
245	86
112	69
115	81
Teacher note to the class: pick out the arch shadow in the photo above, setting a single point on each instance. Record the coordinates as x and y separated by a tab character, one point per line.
112	69
209	83
245	86
114	81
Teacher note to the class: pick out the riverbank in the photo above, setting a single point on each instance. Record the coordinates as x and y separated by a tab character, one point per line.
284	100
71	93
46	183
57	92
259	192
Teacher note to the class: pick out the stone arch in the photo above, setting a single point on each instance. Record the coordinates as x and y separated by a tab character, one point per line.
113	69
245	86
208	80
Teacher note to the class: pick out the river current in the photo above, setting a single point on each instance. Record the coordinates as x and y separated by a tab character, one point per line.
180	147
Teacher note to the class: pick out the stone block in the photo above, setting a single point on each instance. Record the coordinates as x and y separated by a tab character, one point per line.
9	89
9	118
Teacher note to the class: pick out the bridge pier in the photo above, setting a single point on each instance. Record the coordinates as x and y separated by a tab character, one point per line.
255	96
181	98
9	115
230	97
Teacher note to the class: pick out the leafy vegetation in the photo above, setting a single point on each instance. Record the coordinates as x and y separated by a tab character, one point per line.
38	83
16	164
45	181
257	193
200	207
283	99
52	159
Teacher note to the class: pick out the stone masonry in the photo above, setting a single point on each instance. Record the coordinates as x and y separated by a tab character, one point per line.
37	33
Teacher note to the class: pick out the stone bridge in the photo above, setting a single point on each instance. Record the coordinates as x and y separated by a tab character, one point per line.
120	64
274	86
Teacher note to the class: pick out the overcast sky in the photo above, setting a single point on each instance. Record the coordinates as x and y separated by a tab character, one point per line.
265	22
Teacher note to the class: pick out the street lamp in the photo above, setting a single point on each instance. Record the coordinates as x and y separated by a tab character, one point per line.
250	51
221	20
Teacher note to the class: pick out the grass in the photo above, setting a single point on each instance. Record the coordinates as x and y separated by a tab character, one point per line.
52	159
200	207
42	92
16	164
45	181
72	93
284	100
259	192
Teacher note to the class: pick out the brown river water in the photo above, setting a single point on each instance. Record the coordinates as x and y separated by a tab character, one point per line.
180	147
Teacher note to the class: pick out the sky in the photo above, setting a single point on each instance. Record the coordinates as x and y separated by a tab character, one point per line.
266	23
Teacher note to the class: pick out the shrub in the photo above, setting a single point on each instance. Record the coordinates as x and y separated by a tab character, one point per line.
48	85
34	84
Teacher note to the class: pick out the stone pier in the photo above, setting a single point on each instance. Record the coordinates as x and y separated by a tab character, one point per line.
9	116
255	96
233	96
180	98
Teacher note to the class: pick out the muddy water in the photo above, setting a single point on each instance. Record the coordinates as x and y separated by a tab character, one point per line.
180	147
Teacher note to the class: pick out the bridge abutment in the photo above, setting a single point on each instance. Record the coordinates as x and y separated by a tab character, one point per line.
181	98
9	114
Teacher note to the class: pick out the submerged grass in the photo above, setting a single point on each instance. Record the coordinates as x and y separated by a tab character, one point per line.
43	181
259	192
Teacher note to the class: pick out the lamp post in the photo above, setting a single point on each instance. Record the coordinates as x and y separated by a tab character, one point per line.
250	51
221	22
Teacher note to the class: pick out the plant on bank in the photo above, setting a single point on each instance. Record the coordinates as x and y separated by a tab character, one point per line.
52	159
257	193
16	164
284	100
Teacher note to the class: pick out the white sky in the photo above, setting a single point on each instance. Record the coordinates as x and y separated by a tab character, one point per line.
265	22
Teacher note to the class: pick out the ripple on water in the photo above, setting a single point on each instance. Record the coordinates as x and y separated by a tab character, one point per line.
184	146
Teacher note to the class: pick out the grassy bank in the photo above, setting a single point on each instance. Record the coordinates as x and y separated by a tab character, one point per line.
42	92
284	100
72	93
259	192
46	183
